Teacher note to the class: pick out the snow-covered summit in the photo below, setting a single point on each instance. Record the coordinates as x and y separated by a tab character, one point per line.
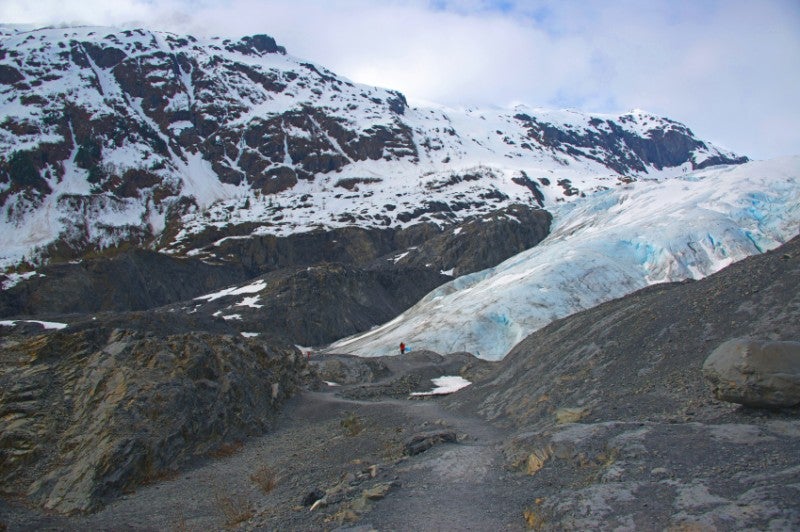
152	138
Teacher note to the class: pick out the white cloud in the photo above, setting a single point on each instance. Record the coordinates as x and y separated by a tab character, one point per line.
729	69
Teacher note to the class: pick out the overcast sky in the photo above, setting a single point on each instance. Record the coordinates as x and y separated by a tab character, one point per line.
728	69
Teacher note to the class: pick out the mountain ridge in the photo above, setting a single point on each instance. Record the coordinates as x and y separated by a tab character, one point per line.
150	139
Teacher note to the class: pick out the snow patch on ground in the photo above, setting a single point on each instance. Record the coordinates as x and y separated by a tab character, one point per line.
46	324
445	385
12	279
399	257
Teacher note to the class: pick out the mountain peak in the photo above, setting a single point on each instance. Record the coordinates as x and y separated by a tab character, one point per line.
258	44
145	137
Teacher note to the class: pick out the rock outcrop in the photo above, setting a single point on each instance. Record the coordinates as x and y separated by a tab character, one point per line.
395	376
478	242
132	280
755	373
671	144
318	304
419	443
464	246
93	413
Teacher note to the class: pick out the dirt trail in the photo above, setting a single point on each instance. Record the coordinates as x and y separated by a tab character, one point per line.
314	446
454	487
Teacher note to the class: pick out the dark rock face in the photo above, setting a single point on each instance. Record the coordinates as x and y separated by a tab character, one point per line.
526	182
664	145
348	245
9	75
419	443
98	412
717	160
327	285
465	247
481	242
318	304
133	280
312	497
259	43
319	286
104	56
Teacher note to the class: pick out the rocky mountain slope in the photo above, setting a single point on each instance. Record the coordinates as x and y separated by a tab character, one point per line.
152	139
617	426
132	280
318	286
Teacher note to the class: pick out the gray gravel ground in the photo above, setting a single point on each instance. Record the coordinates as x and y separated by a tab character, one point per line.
327	443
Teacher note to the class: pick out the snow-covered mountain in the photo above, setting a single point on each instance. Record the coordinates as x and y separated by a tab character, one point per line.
603	246
112	137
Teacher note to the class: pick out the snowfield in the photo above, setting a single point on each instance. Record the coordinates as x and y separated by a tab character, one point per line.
602	247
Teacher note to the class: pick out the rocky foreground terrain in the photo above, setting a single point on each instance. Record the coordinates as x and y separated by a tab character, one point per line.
599	421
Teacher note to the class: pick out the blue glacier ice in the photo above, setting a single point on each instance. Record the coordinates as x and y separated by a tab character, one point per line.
602	247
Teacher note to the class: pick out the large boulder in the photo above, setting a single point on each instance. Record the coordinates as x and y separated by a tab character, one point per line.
755	373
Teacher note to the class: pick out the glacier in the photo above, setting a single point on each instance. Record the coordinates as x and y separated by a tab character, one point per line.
602	247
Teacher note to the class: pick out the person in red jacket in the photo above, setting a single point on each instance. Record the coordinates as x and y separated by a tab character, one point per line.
402	348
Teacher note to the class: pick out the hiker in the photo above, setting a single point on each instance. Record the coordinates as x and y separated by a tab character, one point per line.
402	348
